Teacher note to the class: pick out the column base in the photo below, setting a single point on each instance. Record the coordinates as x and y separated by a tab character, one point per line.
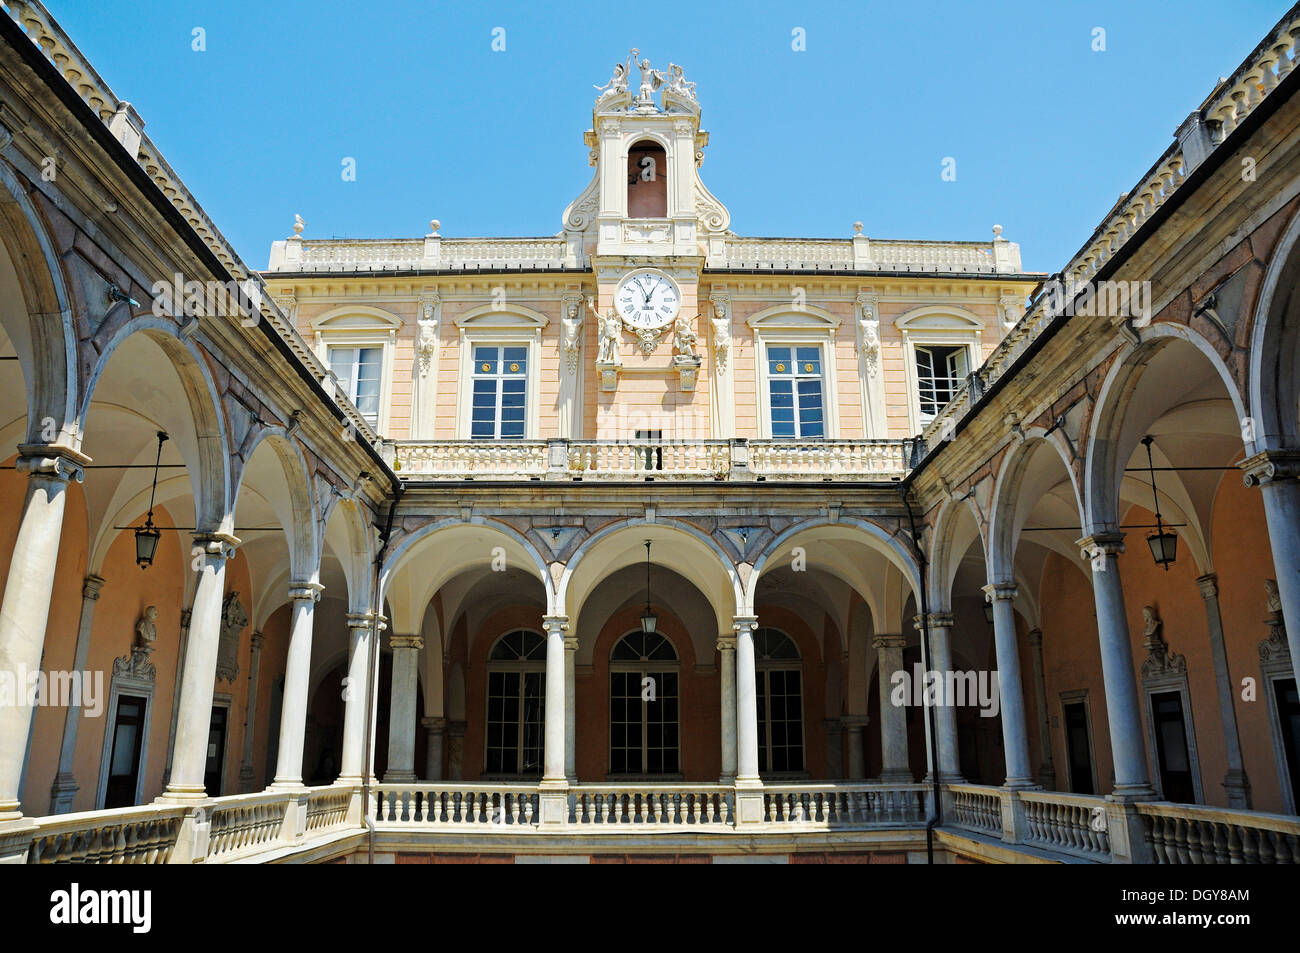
182	795
893	777
1127	793
1021	784
63	793
552	803
16	840
287	784
944	778
1237	786
399	777
750	806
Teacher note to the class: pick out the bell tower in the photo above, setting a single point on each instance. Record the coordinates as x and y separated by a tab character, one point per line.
646	199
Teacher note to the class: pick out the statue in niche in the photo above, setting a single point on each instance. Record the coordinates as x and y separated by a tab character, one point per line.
1159	661
1151	624
146	631
684	338
233	621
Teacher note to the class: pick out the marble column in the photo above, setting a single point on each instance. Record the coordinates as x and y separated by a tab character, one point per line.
893	718
853	725
570	708
255	642
727	669
945	715
297	676
1235	782
1046	770
1011	693
361	636
26	606
64	790
1124	711
553	756
1275	472
182	646
194	717
434	727
402	705
746	702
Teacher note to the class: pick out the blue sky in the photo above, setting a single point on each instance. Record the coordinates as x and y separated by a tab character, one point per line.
1046	133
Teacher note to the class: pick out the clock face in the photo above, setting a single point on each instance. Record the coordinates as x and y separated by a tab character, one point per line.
647	299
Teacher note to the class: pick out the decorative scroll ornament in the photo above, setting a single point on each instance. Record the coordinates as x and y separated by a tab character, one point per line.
1159	661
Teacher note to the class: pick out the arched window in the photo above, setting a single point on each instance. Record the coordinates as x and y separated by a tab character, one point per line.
779	673
516	694
643	715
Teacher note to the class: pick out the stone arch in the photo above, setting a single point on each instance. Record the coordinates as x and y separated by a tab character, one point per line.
45	336
347	536
950	538
1112	434
869	534
583	573
1273	371
409	595
1005	514
304	549
210	466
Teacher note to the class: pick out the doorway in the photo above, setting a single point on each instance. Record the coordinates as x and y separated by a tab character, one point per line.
124	760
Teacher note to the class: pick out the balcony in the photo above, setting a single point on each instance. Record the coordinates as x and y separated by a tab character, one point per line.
982	823
736	460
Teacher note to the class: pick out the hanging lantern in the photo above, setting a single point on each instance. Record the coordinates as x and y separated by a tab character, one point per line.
1163	543
648	619
147	536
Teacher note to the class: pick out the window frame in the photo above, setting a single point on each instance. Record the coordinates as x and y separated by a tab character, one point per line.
523	667
642	668
942	325
361	326
515	327
783	326
762	667
332	346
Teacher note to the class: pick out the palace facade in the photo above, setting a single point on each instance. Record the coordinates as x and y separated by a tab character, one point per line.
645	539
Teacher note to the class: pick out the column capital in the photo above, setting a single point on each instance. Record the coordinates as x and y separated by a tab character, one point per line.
996	591
1270	466
256	640
215	545
749	622
570	643
53	460
887	641
364	620
726	643
1036	638
1107	543
306	591
433	722
91	586
406	642
1208	584
937	620
555	623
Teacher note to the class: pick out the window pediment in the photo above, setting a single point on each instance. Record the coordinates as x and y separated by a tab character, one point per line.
513	316
356	318
790	318
939	318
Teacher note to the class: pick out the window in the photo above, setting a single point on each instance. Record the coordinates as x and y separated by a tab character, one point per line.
794	379
357	369
940	370
643	706
516	701
647	181
500	392
779	675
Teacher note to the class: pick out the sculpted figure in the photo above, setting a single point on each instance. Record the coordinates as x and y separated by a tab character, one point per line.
611	328
146	630
684	337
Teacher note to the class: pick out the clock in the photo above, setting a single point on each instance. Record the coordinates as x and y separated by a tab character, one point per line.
647	300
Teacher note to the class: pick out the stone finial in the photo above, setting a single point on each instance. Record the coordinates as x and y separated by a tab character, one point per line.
298	225
857	228
434	225
997	232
